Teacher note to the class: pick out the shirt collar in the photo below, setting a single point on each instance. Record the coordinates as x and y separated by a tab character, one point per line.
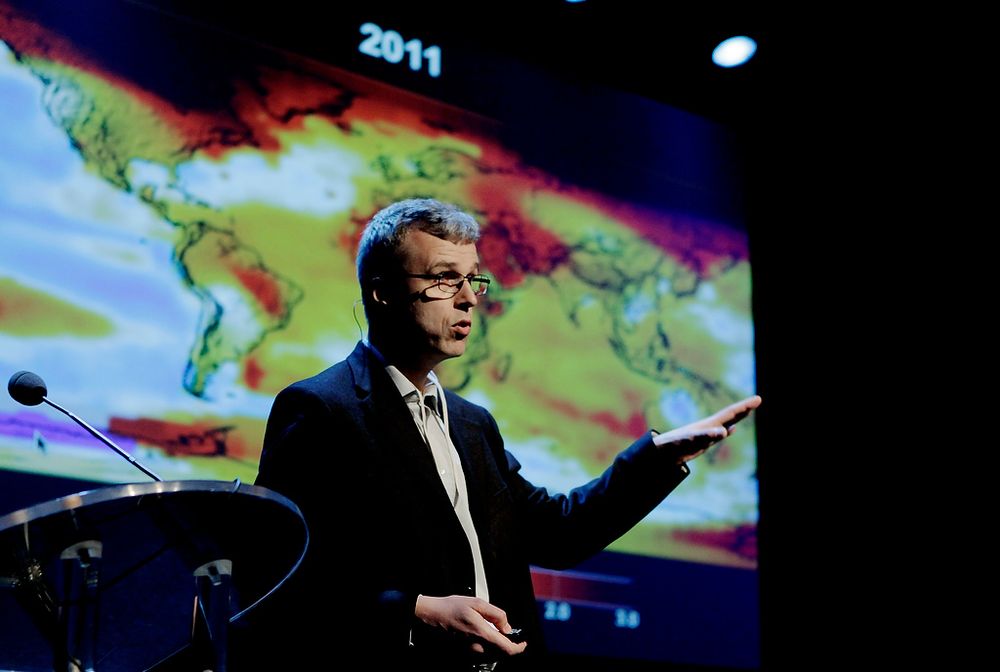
404	385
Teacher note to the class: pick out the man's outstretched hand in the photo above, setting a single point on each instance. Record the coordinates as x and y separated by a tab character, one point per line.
693	439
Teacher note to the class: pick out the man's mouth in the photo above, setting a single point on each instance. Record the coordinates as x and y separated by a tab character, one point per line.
463	327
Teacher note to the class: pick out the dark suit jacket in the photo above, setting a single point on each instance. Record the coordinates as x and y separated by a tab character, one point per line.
344	447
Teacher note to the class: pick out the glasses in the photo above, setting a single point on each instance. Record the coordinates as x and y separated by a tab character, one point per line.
450	283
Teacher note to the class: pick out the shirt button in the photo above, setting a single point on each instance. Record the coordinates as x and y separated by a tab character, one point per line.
443	472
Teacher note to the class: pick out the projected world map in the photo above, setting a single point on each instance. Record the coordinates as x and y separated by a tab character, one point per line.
168	268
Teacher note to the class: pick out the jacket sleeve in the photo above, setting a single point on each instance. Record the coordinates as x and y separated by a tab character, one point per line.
560	530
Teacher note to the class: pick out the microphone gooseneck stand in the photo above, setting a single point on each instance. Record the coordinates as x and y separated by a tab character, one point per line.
69	618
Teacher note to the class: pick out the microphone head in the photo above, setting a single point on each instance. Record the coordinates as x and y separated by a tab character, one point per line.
27	388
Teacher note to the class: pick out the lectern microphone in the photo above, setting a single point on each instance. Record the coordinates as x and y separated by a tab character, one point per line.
29	389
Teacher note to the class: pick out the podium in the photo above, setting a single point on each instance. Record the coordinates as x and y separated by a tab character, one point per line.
130	577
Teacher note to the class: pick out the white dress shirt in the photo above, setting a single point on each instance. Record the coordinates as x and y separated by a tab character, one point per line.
430	413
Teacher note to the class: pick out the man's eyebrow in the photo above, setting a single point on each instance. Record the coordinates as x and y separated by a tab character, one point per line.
440	266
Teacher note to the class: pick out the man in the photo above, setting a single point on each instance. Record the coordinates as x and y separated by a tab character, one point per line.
422	528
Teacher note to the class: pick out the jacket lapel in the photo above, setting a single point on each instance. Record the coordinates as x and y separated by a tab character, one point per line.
467	438
386	414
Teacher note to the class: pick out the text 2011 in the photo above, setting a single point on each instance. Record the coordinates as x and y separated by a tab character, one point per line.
390	46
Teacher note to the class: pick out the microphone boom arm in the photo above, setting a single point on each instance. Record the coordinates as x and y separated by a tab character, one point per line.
103	439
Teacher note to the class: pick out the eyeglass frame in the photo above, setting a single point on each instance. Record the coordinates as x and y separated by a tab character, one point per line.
442	285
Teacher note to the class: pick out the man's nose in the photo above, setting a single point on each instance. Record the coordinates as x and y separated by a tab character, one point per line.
467	294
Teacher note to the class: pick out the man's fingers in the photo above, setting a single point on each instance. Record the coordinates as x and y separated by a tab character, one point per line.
491	634
495	616
729	424
688	434
493	628
733	413
714	427
498	640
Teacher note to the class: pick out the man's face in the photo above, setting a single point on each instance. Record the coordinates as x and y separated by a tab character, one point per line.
436	327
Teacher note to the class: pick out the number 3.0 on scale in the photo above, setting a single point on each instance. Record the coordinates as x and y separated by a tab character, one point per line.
390	46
